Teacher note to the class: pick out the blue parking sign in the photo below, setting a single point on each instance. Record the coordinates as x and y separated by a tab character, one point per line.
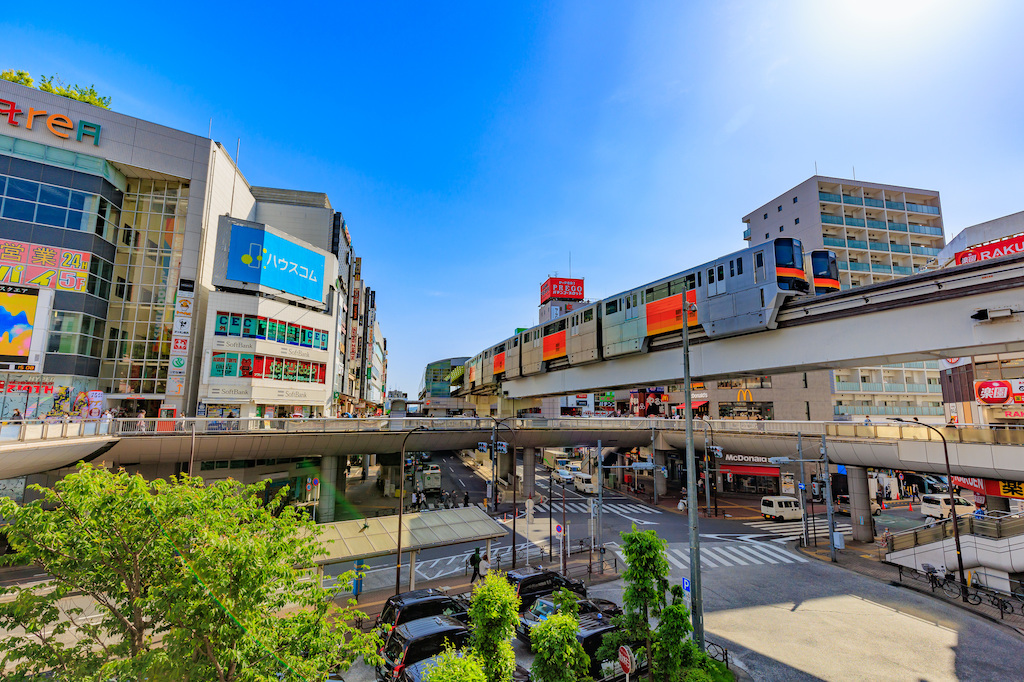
686	585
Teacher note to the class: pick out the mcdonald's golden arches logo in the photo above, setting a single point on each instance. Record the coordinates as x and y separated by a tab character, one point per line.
743	395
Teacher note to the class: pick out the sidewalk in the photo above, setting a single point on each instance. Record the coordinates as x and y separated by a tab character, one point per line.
736	507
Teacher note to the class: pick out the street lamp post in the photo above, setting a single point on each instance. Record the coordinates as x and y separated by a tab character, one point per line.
707	466
952	501
697	598
828	490
401	509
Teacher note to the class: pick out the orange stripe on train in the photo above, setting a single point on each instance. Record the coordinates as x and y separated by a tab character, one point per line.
790	272
825	282
554	346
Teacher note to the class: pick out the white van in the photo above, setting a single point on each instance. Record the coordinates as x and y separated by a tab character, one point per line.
937	506
584	483
781	508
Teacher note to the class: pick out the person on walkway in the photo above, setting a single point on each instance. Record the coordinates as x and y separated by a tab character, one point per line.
465	499
474	561
16	418
914	493
142	420
485	565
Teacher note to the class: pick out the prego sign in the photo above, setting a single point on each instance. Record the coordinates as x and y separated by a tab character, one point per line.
561	288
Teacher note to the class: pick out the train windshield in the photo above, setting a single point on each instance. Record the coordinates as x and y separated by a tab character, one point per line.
788	254
823	264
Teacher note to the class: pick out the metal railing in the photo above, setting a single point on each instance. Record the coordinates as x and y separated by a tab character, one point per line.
993	524
983	599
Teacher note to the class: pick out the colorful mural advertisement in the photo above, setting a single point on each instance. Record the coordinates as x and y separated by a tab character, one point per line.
17	320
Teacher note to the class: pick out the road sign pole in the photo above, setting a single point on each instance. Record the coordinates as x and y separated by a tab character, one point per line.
600	495
697	612
803	484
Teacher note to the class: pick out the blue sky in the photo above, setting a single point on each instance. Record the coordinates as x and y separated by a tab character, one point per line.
473	146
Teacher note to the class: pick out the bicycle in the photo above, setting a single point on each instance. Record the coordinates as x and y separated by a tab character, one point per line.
937	580
975	596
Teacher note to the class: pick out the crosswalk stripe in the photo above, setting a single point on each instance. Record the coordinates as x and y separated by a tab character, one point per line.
781	552
736	557
677	562
710	560
750	551
683	556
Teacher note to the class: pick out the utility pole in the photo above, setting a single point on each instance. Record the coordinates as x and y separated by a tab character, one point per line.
551	503
600	498
494	466
697	605
803	483
707	469
828	502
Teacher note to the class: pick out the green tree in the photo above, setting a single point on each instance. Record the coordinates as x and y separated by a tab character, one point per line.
455	666
19	77
494	613
567	602
646	578
559	655
170	580
672	651
53	84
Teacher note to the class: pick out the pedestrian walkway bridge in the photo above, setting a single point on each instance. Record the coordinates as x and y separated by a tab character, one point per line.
34	447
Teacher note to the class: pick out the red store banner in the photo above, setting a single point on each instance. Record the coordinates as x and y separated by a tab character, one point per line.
25	387
1003	247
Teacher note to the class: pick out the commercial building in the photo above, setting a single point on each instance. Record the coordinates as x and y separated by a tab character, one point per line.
124	278
435	395
878	232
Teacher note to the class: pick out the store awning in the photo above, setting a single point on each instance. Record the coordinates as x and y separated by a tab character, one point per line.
696	404
739	470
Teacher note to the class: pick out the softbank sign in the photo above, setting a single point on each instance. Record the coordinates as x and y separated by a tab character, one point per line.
1003	247
58	124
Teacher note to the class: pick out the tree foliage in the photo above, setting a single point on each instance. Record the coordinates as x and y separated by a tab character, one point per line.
456	666
673	652
53	84
170	580
494	613
567	602
559	655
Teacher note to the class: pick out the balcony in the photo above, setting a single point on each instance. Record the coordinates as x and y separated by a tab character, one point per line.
895	205
847	386
887	411
900	270
924	250
895	388
898	227
861	267
856	244
852	200
831	219
878	246
746	233
899	248
832	241
917	388
935	388
921	208
876	224
828	196
926	229
881	267
855	222
874	203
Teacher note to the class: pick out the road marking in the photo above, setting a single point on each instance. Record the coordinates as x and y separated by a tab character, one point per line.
460	482
728	554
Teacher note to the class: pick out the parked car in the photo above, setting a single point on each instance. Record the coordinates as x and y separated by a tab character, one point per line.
937	506
843	506
590	635
533	583
602	609
417	604
781	508
417	672
424	456
418	640
564	476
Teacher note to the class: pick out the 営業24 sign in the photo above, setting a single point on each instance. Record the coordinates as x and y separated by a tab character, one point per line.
259	257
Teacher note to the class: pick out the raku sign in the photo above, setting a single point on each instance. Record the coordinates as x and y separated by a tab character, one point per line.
259	257
1003	247
58	124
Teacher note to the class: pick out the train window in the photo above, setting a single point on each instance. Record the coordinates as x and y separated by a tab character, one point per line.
588	315
739	265
698	278
711	276
677	286
627	303
515	342
759	259
762	298
499	349
656	293
732	268
611	307
721	273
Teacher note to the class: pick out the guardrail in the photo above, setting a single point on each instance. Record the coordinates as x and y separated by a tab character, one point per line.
990	525
69	427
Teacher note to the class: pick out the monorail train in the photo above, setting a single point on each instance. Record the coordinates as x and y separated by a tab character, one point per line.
735	294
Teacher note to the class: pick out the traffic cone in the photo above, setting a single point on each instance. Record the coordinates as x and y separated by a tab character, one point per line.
883	503
910	507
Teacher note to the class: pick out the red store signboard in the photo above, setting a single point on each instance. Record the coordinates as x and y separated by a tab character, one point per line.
25	387
999	391
1004	247
561	288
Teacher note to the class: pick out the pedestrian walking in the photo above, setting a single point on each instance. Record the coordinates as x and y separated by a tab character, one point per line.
465	499
474	561
16	418
914	493
142	420
485	565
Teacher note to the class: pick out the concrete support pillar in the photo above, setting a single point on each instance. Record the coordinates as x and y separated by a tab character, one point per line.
660	481
412	570
529	471
328	481
860	504
997	503
366	466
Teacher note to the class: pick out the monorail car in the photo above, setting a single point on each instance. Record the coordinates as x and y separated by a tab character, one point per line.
824	272
735	294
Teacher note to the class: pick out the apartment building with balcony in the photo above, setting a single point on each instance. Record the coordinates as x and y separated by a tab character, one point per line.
878	232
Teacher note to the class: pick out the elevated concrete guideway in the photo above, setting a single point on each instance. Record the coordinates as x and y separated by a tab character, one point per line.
973	451
921	317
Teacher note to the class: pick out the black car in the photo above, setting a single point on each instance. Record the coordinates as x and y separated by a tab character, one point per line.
531	583
418	640
417	672
417	604
600	609
590	636
425	456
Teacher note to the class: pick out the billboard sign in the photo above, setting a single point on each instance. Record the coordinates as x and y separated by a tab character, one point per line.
17	322
999	391
49	267
1003	247
261	257
561	288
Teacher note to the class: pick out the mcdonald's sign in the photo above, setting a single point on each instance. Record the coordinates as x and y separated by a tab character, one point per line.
743	395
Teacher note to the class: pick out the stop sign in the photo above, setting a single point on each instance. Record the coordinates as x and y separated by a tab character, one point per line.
626	659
